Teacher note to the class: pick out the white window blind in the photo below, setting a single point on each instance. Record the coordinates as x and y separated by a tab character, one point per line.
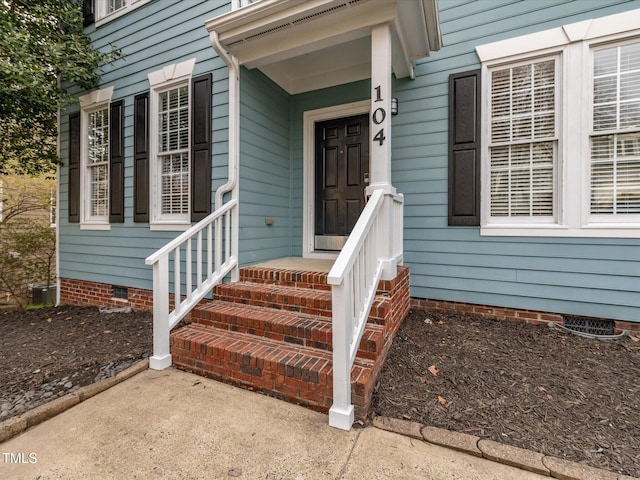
113	5
107	7
523	140
173	150
615	140
98	162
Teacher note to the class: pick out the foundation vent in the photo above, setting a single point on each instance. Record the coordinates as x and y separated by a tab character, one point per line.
593	326
121	293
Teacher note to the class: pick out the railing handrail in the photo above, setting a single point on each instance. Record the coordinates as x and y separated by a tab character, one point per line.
369	255
203	266
349	252
190	233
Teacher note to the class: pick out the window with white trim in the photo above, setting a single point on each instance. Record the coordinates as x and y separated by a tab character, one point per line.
94	158
97	164
615	137
109	9
173	152
106	7
561	131
170	145
523	140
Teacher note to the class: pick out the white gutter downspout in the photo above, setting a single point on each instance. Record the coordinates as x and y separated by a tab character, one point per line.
234	140
234	117
57	225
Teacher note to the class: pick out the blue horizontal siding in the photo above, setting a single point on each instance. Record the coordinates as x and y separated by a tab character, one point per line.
265	169
586	276
150	37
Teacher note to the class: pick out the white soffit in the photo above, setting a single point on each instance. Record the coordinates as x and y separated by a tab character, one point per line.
307	45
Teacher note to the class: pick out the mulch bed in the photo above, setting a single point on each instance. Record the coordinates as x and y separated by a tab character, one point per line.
529	386
48	352
524	385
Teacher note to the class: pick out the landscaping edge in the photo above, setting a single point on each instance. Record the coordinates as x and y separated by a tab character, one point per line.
16	425
517	457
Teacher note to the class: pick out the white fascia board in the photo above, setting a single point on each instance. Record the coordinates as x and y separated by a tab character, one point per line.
307	37
432	18
401	63
260	13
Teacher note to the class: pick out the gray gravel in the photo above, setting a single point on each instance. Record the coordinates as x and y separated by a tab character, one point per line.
53	389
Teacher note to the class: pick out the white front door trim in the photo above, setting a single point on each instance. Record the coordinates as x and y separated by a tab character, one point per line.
310	118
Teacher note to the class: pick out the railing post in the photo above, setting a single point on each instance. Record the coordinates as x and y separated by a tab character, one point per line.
161	358
398	239
386	252
341	414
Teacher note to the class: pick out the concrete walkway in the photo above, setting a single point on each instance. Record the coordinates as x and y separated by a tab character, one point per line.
175	425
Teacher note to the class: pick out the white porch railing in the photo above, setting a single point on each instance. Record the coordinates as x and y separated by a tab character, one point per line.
215	257
373	247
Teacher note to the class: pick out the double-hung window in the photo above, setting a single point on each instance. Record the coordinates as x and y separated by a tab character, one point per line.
106	10
523	140
615	135
170	146
107	7
173	154
560	117
97	165
94	159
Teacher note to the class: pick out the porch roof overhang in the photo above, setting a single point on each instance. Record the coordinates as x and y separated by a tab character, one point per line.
307	45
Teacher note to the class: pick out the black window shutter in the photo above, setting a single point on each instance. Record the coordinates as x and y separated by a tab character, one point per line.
74	168
464	148
141	177
201	147
116	162
88	12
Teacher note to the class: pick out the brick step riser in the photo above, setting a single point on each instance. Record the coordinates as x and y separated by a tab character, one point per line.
306	332
293	301
285	373
286	278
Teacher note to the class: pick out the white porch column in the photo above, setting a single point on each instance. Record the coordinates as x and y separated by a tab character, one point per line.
380	169
380	142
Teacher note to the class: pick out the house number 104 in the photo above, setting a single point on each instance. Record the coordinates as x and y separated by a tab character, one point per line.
378	116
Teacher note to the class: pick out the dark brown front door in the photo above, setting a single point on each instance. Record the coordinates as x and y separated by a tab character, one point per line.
342	173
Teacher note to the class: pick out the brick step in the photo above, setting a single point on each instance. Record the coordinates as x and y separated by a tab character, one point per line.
283	325
293	373
295	299
287	278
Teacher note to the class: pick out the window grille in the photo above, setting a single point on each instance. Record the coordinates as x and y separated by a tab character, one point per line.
615	142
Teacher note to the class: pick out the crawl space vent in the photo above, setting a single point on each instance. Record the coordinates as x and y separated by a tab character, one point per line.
593	326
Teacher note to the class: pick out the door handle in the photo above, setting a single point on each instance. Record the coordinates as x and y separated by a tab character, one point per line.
366	178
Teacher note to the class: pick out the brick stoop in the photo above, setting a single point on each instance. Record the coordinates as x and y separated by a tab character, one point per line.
271	332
